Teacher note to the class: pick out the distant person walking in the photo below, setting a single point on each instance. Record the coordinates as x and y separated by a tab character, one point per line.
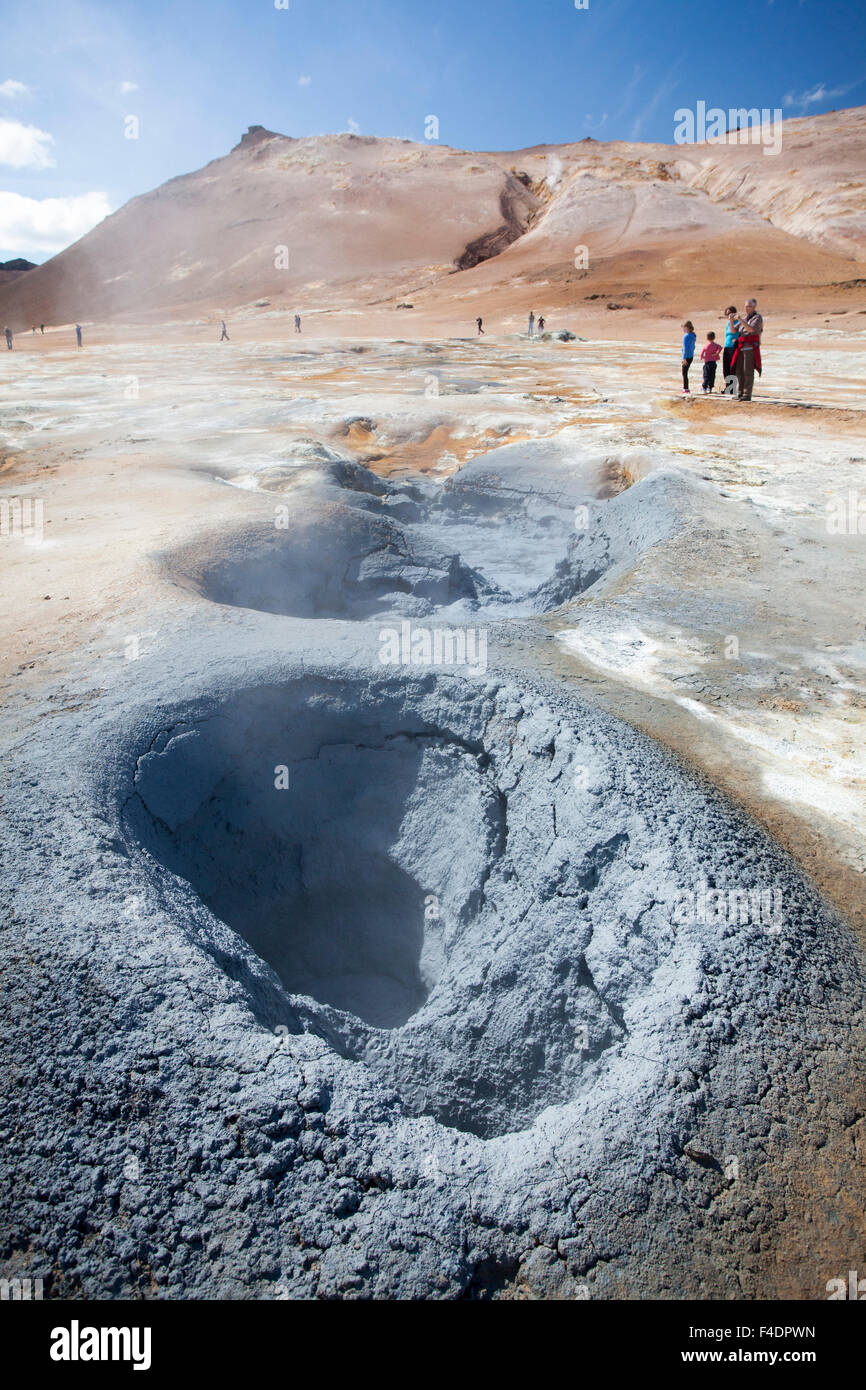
297	323
42	328
730	349
33	330
689	340
747	354
541	325
481	333
8	332
78	334
531	323
710	356
224	337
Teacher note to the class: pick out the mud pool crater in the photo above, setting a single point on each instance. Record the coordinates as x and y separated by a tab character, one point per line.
433	889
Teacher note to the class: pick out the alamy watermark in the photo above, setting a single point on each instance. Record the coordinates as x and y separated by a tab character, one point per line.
408	645
705	906
850	1288
739	125
846	515
20	1290
132	644
22	518
77	1343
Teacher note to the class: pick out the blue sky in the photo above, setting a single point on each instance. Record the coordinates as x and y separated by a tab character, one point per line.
498	74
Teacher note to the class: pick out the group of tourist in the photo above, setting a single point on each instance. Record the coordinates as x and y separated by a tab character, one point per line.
534	327
224	333
9	335
741	356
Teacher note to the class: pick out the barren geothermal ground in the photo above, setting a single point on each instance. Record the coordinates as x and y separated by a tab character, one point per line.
433	766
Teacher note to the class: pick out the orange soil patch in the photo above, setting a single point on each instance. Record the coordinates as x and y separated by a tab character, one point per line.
441	451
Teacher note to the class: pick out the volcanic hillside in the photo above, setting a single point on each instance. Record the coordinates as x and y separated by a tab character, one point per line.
348	222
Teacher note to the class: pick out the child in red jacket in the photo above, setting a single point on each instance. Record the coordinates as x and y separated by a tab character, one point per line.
710	356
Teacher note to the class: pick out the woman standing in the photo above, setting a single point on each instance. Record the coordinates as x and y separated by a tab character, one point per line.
731	340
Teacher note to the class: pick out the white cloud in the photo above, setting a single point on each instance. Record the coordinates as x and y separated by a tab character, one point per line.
305	81
662	93
10	88
126	87
813	95
352	126
25	146
46	225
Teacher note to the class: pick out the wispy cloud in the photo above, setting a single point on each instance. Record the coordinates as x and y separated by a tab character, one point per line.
42	226
637	76
813	96
126	87
662	93
25	146
12	89
352	126
305	81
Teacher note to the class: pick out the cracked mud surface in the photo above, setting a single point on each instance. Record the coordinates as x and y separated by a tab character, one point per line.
308	1147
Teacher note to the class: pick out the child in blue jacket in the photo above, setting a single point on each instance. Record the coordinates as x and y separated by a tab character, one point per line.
689	340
